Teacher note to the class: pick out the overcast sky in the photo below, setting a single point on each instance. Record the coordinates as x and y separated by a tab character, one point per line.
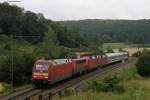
89	9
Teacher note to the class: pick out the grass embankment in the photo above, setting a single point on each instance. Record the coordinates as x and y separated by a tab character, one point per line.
124	85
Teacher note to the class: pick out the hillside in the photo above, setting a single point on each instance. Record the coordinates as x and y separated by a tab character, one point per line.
128	31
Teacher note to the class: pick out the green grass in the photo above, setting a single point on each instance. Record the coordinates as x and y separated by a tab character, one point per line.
114	45
136	88
123	45
8	89
132	94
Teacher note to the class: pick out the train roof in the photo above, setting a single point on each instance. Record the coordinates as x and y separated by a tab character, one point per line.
80	58
61	61
55	61
41	60
115	54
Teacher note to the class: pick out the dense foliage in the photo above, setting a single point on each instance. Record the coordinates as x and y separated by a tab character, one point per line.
131	87
143	62
18	56
112	82
17	22
127	31
106	85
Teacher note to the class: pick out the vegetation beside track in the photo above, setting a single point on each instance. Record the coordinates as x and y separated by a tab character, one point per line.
124	85
7	89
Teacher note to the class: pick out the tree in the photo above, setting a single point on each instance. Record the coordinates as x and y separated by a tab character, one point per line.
22	68
143	62
17	22
50	48
128	31
109	50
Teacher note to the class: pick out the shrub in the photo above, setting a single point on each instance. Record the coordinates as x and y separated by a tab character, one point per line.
119	88
69	91
22	68
2	88
127	74
106	84
137	54
143	67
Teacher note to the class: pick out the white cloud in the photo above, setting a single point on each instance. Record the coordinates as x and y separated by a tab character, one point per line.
89	9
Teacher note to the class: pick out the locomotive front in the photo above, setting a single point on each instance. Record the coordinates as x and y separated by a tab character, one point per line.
40	73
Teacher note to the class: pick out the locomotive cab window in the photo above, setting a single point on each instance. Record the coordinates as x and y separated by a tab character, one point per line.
41	67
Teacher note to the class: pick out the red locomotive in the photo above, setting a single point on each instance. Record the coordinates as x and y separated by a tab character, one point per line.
52	71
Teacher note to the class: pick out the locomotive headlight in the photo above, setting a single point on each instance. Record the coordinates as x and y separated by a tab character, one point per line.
45	74
34	76
36	73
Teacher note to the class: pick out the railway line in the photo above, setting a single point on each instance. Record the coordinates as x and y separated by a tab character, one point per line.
76	83
25	93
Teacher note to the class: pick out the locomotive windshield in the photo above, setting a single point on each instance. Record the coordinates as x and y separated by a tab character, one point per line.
41	67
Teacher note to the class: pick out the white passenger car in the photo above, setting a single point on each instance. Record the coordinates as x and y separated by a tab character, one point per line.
115	57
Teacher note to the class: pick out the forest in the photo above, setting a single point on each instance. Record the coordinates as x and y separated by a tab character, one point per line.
126	31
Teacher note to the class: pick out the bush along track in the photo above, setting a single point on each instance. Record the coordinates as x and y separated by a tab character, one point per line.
126	84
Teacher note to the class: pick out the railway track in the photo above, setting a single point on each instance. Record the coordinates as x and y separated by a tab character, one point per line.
24	94
76	83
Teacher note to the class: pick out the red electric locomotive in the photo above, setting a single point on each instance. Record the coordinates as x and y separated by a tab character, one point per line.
51	71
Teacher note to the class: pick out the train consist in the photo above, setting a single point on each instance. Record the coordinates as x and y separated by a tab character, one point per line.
51	71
